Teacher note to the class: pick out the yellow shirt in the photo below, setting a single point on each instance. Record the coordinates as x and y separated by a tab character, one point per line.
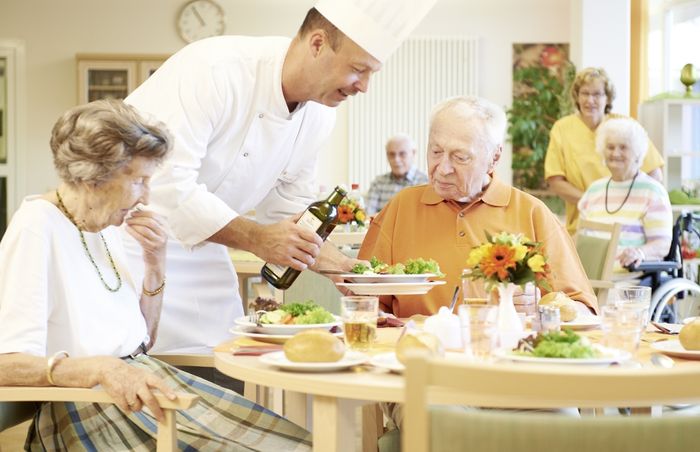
572	154
419	223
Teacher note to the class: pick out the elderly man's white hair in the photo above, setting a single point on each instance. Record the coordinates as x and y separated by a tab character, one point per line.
401	138
491	117
628	129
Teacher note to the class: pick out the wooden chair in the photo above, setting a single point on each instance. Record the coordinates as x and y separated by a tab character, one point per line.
598	254
504	385
16	407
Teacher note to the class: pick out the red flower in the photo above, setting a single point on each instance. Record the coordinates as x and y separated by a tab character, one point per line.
551	57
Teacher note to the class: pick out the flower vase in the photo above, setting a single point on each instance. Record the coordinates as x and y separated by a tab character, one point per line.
509	326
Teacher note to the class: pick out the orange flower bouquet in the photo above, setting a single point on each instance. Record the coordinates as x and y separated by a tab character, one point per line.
350	211
508	259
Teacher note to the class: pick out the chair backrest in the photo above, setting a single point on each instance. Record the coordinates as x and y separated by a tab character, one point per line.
504	385
596	244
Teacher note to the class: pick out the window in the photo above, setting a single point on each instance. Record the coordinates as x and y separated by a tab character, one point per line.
674	33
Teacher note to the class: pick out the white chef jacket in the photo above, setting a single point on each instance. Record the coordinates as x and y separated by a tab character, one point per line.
237	147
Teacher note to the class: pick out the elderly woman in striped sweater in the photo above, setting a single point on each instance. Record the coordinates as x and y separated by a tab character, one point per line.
629	196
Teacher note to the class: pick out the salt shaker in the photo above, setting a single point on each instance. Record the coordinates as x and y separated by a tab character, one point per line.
550	319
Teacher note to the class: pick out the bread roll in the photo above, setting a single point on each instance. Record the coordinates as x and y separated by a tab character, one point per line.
567	306
418	341
314	346
690	335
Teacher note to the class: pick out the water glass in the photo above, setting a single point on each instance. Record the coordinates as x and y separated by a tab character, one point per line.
636	298
622	327
359	315
478	324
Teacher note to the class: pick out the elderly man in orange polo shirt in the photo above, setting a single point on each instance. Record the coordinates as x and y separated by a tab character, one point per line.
462	201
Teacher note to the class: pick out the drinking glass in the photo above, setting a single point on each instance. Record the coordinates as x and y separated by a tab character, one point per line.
637	298
478	323
359	315
473	292
622	327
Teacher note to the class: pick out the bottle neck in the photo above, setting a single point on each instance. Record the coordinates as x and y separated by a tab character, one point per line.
336	197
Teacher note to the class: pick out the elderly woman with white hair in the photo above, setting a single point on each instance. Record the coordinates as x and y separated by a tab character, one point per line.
629	196
72	315
571	163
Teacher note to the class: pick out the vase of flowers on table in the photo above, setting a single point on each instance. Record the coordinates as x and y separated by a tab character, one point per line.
505	263
351	213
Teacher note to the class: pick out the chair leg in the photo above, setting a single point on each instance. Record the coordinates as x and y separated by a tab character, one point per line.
167	433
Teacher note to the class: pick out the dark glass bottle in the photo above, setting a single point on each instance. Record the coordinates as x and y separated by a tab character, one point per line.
321	217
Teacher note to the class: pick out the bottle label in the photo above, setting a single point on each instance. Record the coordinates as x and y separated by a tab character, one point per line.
307	221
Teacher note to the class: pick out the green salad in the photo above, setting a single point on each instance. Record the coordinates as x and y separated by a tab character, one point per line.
302	313
410	267
564	344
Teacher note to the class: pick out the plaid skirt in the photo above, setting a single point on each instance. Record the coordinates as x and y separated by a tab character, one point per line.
221	420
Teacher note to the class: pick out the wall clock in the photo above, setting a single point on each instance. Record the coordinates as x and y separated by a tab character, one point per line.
200	19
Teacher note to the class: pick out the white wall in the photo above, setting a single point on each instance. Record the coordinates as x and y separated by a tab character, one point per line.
600	37
54	31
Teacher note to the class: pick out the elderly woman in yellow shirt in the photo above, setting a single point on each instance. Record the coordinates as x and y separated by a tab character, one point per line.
572	163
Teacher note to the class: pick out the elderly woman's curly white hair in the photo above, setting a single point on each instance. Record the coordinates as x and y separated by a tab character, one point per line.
91	142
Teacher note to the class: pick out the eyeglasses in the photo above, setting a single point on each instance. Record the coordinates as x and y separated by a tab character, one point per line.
596	95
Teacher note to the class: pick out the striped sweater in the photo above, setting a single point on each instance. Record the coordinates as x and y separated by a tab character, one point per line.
646	216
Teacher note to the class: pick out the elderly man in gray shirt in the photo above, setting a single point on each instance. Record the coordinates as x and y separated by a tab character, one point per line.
400	152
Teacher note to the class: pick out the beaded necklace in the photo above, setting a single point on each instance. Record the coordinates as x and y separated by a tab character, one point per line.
87	250
607	186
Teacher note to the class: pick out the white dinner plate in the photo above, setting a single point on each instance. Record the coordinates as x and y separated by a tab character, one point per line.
278	359
387	361
582	322
390	362
381	278
270	338
673	347
608	355
414	288
245	323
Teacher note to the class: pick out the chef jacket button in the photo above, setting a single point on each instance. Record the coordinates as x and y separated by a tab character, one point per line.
245	154
261	116
461	233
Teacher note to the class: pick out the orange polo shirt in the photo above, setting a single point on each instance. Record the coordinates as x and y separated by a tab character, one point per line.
419	223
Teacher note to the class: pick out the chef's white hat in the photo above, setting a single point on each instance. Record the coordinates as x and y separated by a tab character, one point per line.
378	26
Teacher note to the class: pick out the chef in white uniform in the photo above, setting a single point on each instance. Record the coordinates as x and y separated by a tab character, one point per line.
249	116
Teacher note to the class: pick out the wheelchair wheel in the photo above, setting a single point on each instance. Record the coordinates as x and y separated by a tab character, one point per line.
675	300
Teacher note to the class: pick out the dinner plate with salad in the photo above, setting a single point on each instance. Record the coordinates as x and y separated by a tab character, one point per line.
561	347
379	278
288	319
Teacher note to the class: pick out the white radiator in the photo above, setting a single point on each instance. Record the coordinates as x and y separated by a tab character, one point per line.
422	72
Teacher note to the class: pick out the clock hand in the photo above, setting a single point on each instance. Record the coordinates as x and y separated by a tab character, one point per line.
199	17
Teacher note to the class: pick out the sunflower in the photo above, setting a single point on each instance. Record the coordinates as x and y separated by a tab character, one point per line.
499	259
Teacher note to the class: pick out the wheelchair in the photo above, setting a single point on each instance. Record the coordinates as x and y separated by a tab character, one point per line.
671	299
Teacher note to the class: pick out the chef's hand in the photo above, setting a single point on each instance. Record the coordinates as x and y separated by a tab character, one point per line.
331	258
287	244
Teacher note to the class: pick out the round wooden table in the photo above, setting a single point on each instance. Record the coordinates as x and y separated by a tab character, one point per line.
335	395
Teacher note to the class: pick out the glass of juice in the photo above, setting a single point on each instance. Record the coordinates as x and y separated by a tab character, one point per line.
359	316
